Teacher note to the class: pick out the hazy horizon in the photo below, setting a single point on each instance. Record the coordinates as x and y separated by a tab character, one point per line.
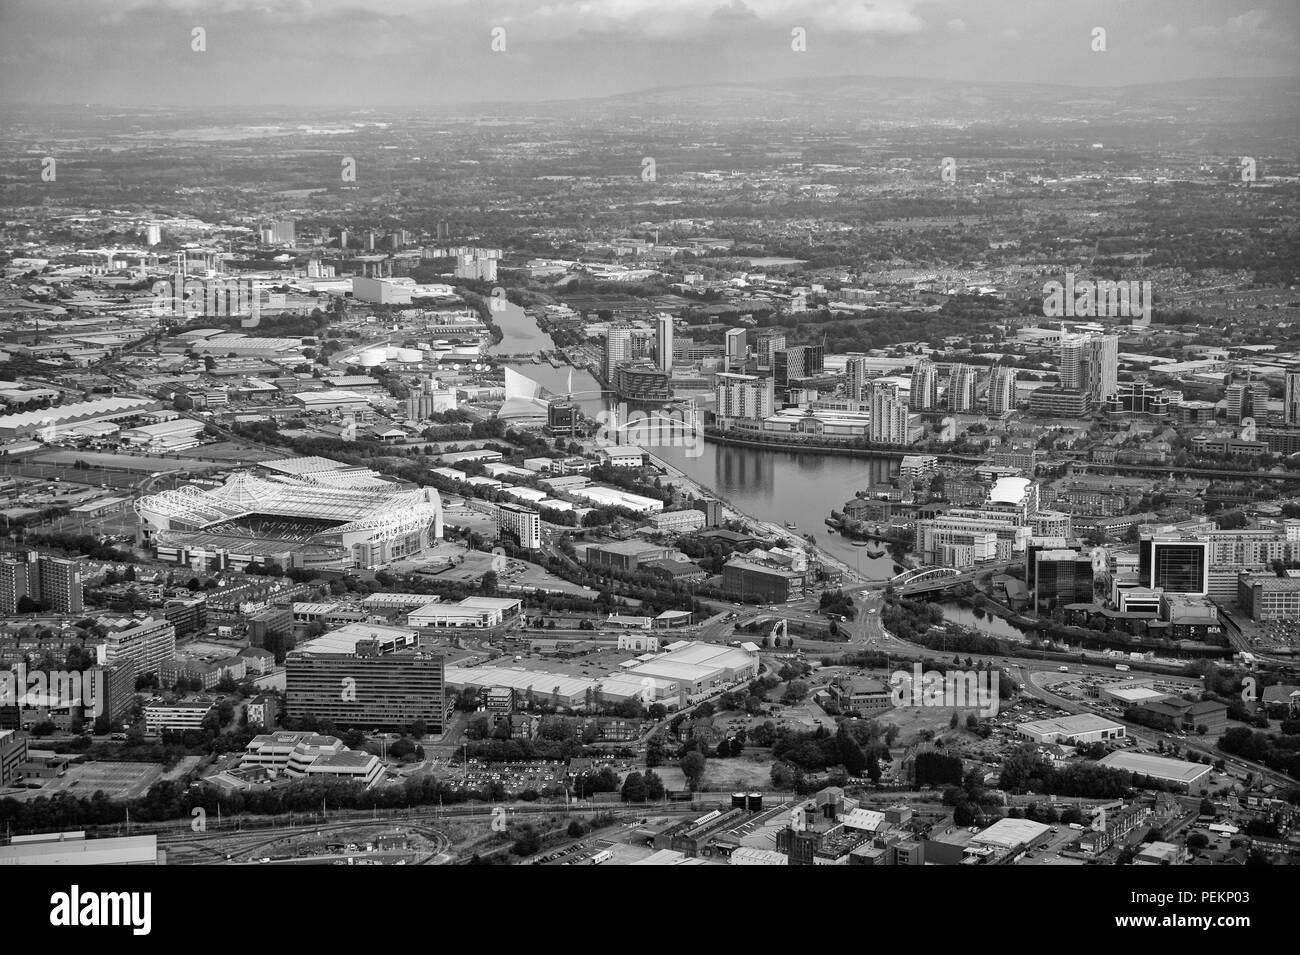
409	53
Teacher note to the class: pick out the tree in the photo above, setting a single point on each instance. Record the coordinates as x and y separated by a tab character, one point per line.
634	788
692	767
654	786
477	728
488	585
952	723
654	751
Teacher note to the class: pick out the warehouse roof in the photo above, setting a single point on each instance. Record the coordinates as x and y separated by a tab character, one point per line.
1158	767
1072	725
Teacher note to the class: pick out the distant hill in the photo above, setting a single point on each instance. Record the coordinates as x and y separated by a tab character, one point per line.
870	100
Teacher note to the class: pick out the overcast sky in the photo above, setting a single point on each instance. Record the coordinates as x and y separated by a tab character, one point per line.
359	53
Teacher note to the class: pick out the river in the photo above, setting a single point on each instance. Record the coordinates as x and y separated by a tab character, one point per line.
771	485
994	626
520	331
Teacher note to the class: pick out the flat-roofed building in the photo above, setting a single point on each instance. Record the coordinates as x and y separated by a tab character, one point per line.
677	522
1082	728
770	584
478	612
625	555
1266	597
144	646
699	668
366	676
1062	575
623	456
308	755
13	753
176	716
1192	777
73	848
521	522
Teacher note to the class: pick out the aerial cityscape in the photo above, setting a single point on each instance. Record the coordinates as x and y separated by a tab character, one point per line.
778	455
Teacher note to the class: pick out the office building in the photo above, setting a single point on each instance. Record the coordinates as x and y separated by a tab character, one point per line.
520	522
1063	576
368	677
924	394
618	349
309	756
797	363
857	371
744	396
737	350
176	717
1246	400
1138	399
1175	564
664	342
562	418
642	381
1057	403
963	388
766	345
1002	390
1291	399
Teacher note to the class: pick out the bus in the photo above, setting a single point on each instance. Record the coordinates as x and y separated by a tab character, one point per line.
1121	666
604	855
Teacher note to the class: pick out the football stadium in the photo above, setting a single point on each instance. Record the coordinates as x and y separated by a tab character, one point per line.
253	520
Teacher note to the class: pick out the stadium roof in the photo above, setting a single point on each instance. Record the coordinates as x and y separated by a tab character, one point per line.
244	494
77	411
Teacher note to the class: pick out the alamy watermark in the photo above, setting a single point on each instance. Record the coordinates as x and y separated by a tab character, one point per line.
212	298
1100	299
956	689
53	689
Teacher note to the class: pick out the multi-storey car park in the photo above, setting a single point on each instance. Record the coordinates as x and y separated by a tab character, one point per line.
294	523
